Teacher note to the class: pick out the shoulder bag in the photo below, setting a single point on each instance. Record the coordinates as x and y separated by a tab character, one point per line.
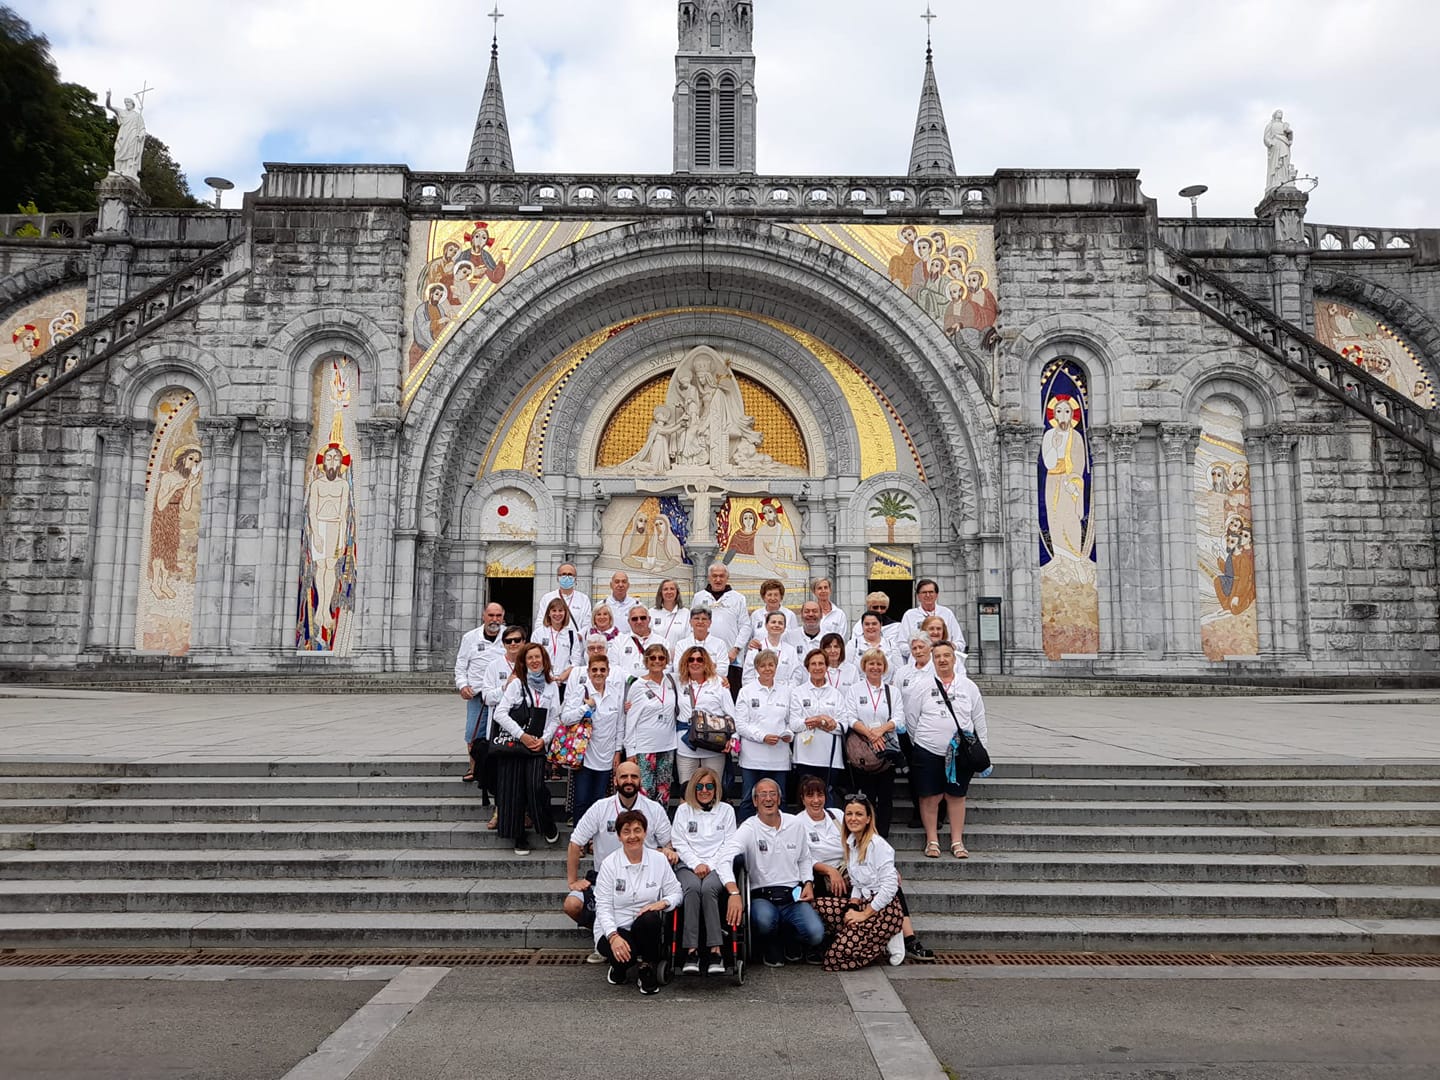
966	754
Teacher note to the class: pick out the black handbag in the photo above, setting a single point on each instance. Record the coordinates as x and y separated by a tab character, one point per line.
966	753
531	719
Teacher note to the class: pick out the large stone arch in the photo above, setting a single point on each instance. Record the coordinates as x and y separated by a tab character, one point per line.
665	264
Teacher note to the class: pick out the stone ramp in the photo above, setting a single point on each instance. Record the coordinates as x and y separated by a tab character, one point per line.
1272	857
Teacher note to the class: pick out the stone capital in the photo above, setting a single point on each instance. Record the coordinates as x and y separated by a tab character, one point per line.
1018	435
378	435
275	434
218	433
1121	439
1179	440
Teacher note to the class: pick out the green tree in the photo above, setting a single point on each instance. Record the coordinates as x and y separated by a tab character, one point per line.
893	506
57	142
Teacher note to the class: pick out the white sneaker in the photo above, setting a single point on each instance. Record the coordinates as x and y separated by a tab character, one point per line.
897	950
594	958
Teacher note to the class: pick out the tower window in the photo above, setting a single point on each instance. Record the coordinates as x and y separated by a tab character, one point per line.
726	124
715	31
704	116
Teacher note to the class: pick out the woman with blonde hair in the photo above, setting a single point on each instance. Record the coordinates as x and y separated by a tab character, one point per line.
700	691
867	923
562	641
703	822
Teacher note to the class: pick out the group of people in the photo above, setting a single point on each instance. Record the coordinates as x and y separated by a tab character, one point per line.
798	719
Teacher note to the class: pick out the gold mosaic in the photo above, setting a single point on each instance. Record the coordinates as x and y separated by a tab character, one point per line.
625	433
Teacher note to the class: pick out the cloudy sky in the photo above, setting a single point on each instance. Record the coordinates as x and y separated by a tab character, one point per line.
1180	89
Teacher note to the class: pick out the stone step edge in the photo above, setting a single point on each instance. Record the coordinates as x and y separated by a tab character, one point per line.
341	802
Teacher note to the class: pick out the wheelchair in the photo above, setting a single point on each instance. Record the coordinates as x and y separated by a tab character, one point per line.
734	942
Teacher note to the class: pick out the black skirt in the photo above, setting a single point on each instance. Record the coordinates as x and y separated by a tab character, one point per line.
520	790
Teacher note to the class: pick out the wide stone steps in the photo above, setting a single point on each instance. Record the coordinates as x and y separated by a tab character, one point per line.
1306	855
1138	899
466	809
506	930
500	862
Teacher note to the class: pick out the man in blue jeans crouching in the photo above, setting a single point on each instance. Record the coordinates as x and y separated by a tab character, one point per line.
782	870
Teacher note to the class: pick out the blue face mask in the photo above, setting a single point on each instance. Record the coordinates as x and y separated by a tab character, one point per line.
567	581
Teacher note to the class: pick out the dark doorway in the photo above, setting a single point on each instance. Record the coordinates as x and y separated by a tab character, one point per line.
516	595
900	590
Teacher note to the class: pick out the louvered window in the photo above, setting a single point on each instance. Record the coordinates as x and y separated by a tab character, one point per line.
726	123
715	31
704	119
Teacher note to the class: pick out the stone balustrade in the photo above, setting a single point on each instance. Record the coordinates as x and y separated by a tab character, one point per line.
77	226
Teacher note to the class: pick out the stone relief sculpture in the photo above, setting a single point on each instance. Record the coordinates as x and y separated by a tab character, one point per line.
166	602
1279	137
130	140
325	610
702	427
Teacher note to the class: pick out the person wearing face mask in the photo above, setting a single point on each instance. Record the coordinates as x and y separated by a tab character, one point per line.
634	888
575	600
499	674
598	828
477	649
867	923
530	712
599	699
703	823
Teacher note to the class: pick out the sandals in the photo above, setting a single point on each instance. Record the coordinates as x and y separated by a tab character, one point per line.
932	849
958	850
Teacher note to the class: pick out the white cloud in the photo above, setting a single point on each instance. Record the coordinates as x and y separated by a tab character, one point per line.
1177	89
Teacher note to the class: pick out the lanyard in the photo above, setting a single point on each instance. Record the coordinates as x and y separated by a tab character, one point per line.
554	643
833	680
662	691
875	696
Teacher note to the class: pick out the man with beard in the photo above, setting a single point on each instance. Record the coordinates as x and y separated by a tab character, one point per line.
477	649
327	506
174	494
596	827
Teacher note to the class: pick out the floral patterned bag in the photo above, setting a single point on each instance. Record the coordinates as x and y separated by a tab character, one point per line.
567	748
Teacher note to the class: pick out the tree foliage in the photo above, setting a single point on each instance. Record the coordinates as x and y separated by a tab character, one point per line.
57	141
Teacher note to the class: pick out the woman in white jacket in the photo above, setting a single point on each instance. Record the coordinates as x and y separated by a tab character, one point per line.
520	783
700	691
633	889
652	710
601	700
867	923
703	822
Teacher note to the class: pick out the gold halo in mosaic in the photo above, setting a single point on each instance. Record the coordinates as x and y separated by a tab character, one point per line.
625	431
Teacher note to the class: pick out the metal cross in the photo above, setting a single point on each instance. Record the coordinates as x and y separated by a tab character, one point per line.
495	17
145	88
929	18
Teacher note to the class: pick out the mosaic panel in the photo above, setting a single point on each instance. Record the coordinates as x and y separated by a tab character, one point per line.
165	607
1069	596
1224	539
39	325
1362	339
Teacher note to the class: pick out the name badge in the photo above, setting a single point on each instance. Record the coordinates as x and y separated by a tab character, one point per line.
754	703
805	704
610	826
814	837
619	885
692	827
762	845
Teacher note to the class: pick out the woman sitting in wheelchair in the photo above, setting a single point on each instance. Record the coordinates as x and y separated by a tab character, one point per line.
863	923
634	889
703	822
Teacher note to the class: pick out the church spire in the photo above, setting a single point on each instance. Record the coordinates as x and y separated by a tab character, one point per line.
490	147
931	154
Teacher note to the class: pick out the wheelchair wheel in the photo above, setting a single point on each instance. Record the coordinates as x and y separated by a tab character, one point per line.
665	970
740	935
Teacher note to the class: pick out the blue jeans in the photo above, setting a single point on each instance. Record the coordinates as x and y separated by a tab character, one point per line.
473	728
751	777
769	920
590	785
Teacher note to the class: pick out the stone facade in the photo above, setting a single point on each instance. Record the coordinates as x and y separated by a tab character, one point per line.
938	410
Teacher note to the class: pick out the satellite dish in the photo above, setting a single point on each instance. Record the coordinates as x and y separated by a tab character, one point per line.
219	183
1193	193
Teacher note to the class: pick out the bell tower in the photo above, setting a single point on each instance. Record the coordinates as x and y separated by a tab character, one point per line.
715	87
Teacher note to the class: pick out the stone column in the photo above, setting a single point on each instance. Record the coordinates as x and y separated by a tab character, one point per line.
130	521
107	567
214	561
402	600
1289	591
1019	449
376	556
1268	592
270	613
1103	522
1126	633
425	556
111	252
1178	532
1292	296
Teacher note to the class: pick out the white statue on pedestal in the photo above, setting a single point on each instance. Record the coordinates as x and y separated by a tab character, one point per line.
1278	140
130	141
702	428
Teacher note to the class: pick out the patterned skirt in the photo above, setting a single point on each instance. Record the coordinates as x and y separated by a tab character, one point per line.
657	773
853	945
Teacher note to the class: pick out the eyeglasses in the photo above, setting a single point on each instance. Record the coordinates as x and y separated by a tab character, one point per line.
704	787
512	640
697	660
639	618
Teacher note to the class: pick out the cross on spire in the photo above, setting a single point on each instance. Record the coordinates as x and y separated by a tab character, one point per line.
495	17
929	18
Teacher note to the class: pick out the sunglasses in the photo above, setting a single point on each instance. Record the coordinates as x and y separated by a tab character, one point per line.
704	787
697	659
859	797
639	618
513	640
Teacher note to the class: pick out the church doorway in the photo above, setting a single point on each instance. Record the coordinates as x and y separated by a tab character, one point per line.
516	595
900	590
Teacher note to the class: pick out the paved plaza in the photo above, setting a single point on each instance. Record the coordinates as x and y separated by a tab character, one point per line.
1371	726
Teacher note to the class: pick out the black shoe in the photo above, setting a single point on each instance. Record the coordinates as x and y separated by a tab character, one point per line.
616	975
692	963
815	957
918	952
646	980
774	961
554	836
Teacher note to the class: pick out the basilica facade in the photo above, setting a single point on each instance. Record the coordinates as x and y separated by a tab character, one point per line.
320	432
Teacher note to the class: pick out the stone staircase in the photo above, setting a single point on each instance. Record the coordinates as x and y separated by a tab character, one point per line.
106	337
1293	348
252	854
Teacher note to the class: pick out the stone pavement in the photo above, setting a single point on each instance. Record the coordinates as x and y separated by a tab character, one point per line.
1374	725
798	1023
